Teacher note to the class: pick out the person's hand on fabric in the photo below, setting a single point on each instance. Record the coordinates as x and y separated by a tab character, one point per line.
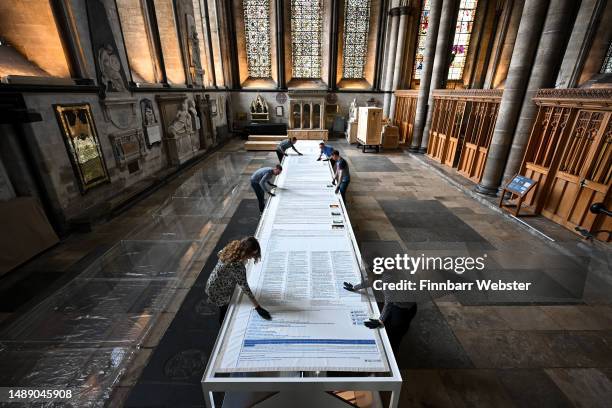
349	286
373	324
334	182
263	313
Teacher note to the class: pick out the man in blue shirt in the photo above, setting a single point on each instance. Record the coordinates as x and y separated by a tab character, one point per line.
342	177
283	146
261	183
327	151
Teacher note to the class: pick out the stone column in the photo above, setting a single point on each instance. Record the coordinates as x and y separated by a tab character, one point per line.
532	20
440	65
399	55
394	16
430	49
579	43
311	115
322	116
280	45
301	115
547	61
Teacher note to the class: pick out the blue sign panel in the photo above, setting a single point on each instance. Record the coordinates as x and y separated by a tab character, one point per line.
520	185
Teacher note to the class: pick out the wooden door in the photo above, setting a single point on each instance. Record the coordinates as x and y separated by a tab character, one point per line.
584	173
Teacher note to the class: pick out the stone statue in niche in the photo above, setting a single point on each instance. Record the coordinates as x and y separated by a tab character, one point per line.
110	69
259	109
195	68
149	123
148	113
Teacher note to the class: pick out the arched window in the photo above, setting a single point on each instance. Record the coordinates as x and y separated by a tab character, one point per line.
420	48
257	36
356	30
606	67
461	42
306	21
463	32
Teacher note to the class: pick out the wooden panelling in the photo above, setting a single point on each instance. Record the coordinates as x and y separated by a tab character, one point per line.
405	110
570	155
462	127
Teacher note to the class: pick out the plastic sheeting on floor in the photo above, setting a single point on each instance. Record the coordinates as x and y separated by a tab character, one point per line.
82	337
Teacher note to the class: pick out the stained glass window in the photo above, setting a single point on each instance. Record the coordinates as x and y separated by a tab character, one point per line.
463	32
420	48
306	21
257	34
356	30
606	68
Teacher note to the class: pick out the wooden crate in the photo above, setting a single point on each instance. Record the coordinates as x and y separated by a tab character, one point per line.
370	126
390	138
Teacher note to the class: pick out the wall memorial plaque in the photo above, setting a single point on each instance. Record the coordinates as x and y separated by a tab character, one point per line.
81	139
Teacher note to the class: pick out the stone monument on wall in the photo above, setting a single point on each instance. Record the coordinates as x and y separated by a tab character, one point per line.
181	124
118	105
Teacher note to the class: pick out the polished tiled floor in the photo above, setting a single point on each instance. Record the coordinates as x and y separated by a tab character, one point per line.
120	287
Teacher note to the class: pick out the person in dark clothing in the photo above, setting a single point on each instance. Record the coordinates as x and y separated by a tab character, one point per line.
342	176
231	271
396	315
261	182
282	147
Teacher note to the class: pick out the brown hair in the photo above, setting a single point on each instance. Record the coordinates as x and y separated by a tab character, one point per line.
241	250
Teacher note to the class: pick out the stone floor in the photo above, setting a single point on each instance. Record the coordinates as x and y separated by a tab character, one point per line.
107	297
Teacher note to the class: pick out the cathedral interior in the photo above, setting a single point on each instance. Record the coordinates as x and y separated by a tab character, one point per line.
130	130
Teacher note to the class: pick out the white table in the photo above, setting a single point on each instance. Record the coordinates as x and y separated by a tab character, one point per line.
308	250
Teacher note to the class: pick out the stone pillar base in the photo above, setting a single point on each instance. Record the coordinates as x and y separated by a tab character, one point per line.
488	191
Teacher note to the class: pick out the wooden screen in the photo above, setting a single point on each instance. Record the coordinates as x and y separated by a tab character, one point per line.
478	134
405	110
462	128
570	154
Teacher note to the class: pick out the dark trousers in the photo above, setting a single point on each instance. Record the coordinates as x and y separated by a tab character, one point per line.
260	195
342	187
280	156
222	313
397	325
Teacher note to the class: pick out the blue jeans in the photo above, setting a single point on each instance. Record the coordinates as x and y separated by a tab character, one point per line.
342	188
260	195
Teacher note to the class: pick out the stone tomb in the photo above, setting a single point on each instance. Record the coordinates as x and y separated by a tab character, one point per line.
181	127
